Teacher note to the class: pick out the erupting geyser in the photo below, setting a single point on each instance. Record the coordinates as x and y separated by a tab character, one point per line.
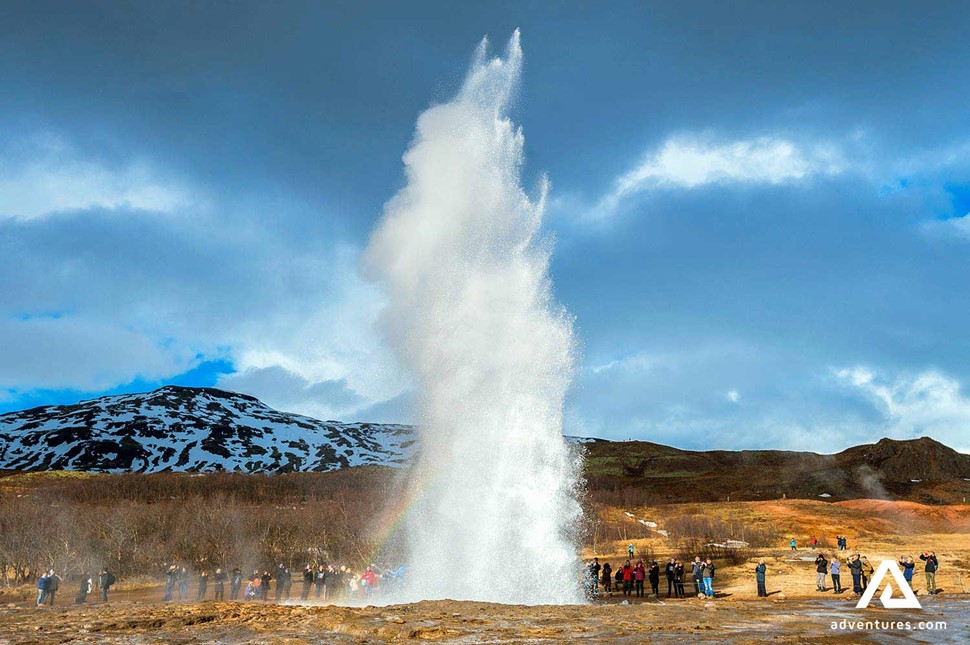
471	314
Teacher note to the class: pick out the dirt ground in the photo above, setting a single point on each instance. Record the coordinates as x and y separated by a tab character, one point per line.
467	622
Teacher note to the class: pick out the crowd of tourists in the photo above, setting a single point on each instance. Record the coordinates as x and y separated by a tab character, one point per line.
329	583
857	566
319	583
630	579
49	583
323	583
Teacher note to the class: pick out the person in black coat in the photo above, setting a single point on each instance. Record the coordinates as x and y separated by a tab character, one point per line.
654	575
670	576
53	584
280	581
307	582
264	586
679	579
287	583
608	578
203	586
171	575
821	572
106	579
220	589
82	594
855	569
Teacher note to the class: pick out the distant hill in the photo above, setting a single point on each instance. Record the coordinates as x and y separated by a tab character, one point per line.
917	469
207	429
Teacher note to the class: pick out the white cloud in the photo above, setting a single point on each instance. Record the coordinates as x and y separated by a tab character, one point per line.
128	297
733	396
71	351
927	404
954	228
46	175
691	162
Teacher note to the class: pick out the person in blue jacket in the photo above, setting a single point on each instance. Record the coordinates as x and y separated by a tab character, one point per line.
42	583
759	573
908	565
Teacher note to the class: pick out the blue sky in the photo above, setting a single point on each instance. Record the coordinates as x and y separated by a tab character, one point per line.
761	209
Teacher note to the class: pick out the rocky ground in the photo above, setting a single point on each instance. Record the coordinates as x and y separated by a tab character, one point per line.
467	622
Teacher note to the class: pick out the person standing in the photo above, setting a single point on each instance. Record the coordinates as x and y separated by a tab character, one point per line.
280	576
695	569
654	575
639	574
630	551
835	568
759	574
932	565
679	579
287	584
369	581
320	586
909	566
235	583
333	585
607	578
793	544
220	589
855	568
53	584
821	572
867	572
264	585
203	585
669	572
594	577
183	581
307	582
106	580
814	541
707	574
42	589
170	576
627	578
82	594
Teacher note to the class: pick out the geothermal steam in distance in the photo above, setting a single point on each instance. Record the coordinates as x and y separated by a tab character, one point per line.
471	315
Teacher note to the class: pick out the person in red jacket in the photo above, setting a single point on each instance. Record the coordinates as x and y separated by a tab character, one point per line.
369	579
639	575
627	578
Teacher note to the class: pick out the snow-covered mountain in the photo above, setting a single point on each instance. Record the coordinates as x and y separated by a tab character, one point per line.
185	428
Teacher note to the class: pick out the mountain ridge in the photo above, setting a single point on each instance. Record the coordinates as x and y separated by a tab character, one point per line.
178	428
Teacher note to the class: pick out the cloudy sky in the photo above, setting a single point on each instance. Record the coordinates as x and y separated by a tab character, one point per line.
760	209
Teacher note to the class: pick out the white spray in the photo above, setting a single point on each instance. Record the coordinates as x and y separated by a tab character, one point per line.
472	316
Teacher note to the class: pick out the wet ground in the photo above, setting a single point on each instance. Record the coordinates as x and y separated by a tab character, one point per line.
694	620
